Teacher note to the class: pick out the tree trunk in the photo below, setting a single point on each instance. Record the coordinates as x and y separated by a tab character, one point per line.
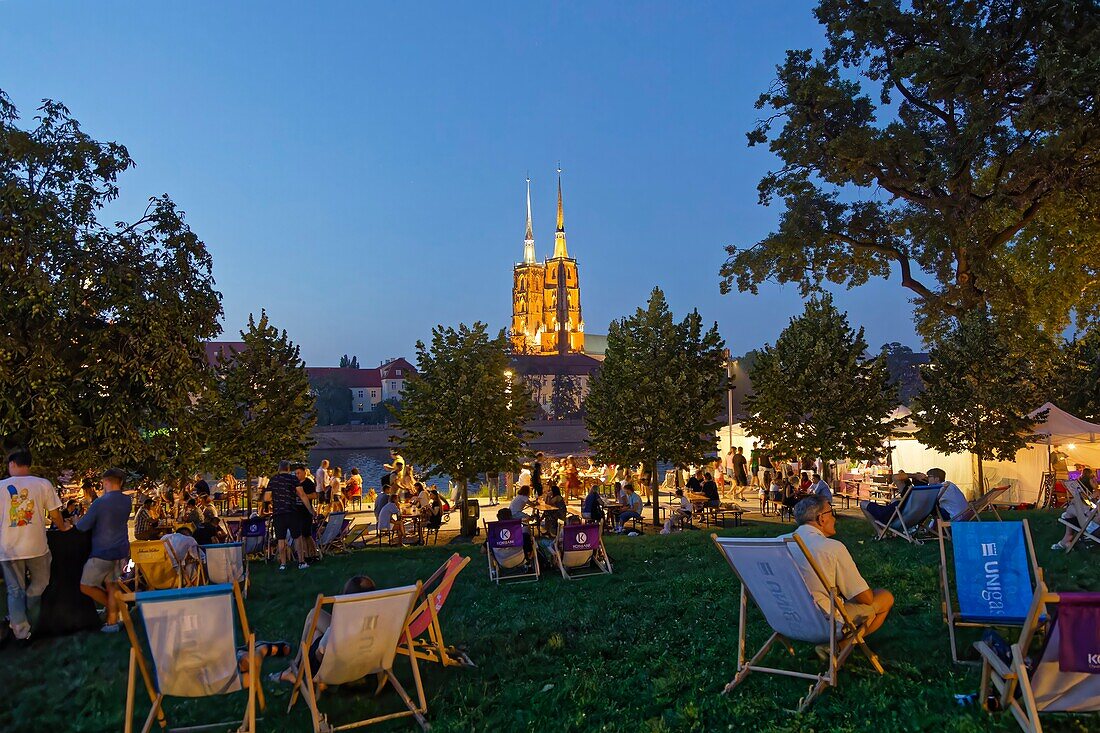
981	477
468	528
247	492
654	496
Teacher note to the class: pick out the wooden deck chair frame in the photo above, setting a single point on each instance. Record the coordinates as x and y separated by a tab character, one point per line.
304	685
598	564
974	509
139	664
1007	680
498	573
336	544
433	648
951	616
1083	509
195	577
839	648
907	533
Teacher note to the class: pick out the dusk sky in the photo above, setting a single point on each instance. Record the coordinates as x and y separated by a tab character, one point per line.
357	169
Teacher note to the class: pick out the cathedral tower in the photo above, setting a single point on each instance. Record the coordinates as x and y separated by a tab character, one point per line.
528	281
561	300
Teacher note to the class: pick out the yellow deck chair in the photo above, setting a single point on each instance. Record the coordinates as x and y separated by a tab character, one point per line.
156	567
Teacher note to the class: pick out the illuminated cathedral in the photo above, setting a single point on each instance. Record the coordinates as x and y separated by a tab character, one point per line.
546	296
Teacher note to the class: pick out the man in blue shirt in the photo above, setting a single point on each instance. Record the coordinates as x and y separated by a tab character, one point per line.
821	488
106	519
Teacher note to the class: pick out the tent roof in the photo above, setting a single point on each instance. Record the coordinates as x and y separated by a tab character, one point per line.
1063	427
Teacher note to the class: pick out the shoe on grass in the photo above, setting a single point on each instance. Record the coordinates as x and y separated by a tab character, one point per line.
282	567
303	565
1058	546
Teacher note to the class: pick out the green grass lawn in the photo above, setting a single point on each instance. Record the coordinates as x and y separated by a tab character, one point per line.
648	648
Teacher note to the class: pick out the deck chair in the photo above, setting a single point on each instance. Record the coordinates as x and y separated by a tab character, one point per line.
983	503
507	561
227	563
771	577
254	537
156	567
917	505
582	552
1083	515
1066	677
425	618
357	533
995	573
332	536
362	639
193	651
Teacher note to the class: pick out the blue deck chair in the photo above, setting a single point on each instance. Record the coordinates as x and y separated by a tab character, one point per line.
917	505
1065	674
507	559
191	640
994	573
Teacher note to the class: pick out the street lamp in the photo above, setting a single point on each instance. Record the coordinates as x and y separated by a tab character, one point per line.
730	364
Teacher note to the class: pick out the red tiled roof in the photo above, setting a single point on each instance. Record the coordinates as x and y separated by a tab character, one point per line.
389	368
350	378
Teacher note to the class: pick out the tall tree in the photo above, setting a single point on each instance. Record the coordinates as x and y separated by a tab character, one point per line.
951	144
333	401
978	390
565	396
462	415
658	393
1076	381
816	391
260	407
102	323
349	362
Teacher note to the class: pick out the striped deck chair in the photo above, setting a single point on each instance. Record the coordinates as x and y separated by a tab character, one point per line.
770	576
504	548
227	563
364	633
193	651
582	552
156	567
994	573
1081	515
917	505
425	618
1066	676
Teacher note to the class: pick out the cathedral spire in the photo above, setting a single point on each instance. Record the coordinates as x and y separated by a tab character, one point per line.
560	249
529	236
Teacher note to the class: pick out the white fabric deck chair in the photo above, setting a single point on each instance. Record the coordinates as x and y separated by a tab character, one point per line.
994	571
582	552
504	548
1081	515
770	576
332	536
227	563
917	504
984	503
1066	677
193	650
424	628
362	639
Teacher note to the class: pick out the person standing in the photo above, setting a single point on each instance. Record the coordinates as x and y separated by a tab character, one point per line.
323	479
307	514
25	502
729	464
754	465
107	520
282	493
741	472
536	475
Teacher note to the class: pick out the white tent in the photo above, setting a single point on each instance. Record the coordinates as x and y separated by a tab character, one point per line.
1062	427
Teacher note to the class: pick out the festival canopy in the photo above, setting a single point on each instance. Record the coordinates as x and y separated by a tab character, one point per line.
1062	427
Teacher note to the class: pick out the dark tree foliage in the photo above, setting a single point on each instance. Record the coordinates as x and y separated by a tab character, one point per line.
1076	379
659	391
101	323
333	402
817	393
565	396
954	145
904	366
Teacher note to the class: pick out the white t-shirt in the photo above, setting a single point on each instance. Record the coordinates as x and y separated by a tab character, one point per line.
24	503
524	477
952	500
836	565
389	514
519	505
685	505
322	478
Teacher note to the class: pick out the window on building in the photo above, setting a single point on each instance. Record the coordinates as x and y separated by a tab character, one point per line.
393	385
399	372
360	394
359	408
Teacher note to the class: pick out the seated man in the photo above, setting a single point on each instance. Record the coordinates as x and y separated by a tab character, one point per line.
952	502
183	546
546	545
818	487
710	489
678	512
1074	517
552	518
816	526
316	650
632	508
145	522
389	518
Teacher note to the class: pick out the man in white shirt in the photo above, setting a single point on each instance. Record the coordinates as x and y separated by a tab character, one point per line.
816	525
25	502
952	502
321	476
521	502
184	546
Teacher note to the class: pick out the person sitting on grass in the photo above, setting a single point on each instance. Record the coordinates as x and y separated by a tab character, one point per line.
547	545
1072	516
184	546
632	508
317	645
816	520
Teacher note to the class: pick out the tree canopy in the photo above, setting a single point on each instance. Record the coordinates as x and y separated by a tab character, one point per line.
1076	376
817	393
954	145
260	407
462	414
658	393
102	323
978	391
